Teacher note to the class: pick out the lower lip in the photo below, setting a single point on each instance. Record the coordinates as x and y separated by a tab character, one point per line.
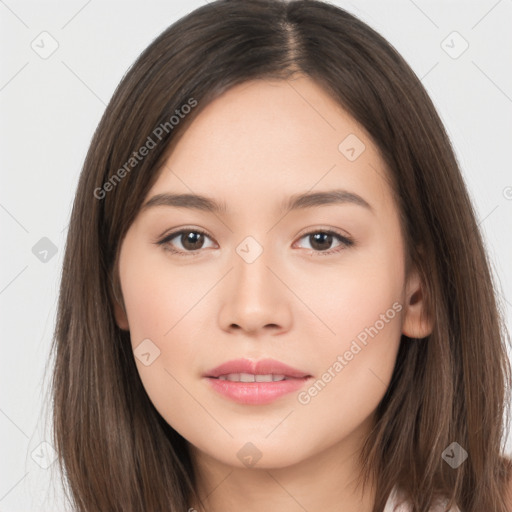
256	393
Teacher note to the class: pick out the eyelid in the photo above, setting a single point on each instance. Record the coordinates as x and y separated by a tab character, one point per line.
325	229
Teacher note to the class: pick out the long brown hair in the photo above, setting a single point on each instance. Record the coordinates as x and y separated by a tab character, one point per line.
117	453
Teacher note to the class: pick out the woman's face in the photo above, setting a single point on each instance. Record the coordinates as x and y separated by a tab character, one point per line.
319	287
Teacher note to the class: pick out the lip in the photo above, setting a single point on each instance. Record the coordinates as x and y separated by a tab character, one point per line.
256	393
261	367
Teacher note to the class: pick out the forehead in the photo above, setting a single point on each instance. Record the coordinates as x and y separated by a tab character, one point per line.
265	139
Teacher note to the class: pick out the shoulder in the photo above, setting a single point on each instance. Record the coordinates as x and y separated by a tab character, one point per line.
398	503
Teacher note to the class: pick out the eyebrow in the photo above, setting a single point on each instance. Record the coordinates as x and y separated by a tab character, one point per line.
294	202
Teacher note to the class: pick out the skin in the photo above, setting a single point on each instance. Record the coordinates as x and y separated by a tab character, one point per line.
253	147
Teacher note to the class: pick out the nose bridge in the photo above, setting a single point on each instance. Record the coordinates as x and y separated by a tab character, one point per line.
251	274
255	298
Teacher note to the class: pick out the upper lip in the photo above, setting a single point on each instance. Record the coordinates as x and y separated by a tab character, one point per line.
261	367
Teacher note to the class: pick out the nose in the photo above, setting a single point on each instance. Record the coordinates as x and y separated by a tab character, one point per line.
254	300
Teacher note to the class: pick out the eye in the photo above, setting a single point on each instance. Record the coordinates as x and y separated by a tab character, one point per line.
320	242
188	241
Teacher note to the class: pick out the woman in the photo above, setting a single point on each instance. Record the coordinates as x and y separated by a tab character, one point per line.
208	358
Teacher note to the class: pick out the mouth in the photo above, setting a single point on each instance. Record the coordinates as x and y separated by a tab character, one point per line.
250	377
255	382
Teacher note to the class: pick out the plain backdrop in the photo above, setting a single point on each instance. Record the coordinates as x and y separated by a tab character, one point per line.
50	104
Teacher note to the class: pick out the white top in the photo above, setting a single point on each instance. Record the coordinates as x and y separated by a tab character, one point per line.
396	503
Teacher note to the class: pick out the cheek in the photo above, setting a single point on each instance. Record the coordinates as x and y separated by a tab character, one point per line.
354	367
158	296
165	306
157	301
353	294
362	308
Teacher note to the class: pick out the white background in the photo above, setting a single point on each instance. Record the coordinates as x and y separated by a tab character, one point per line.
50	107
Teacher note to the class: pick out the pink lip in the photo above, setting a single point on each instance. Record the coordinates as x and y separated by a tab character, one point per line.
262	367
255	393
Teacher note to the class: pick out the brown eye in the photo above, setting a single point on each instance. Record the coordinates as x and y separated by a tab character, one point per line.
192	240
185	241
321	242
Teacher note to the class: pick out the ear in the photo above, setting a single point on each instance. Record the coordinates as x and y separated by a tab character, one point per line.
120	317
416	320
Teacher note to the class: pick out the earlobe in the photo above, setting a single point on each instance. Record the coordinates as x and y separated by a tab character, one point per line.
120	317
417	322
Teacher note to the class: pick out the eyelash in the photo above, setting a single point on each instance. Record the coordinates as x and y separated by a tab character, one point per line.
346	242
